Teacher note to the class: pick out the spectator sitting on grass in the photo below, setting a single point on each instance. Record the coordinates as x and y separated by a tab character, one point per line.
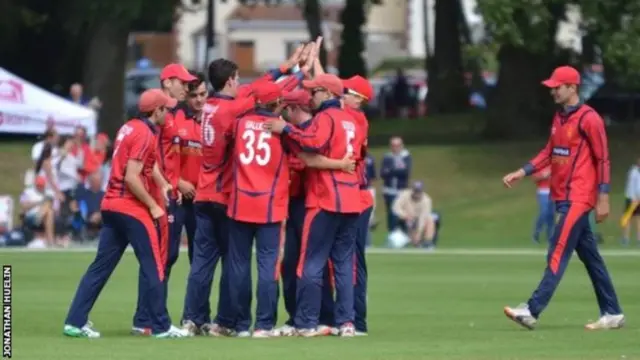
38	214
413	209
89	199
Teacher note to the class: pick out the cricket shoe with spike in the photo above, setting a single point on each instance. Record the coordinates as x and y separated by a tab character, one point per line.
190	327
140	331
521	315
221	331
347	330
264	334
607	322
286	330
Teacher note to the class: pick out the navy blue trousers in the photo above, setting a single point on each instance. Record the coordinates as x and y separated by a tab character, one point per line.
210	245
118	231
326	235
185	217
573	232
269	238
360	288
545	219
294	226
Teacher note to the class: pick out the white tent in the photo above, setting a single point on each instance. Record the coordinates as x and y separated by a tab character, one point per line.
26	109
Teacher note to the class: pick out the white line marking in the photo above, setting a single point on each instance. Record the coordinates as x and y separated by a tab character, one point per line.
375	251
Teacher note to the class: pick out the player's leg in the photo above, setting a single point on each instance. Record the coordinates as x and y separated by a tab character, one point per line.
571	225
206	255
360	288
293	235
551	218
542	199
144	234
317	236
190	227
391	218
327	304
342	256
626	230
269	243
238	264
111	246
611	316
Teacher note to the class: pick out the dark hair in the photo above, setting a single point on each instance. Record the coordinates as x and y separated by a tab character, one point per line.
220	71
64	139
49	133
200	78
47	151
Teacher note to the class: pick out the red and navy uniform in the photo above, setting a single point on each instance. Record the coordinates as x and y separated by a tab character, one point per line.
257	208
578	153
362	228
127	221
187	122
333	205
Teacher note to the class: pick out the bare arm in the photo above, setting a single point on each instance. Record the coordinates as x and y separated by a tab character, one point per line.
48	171
158	177
135	185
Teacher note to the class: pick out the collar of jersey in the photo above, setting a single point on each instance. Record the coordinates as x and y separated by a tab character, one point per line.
264	112
222	96
152	126
333	103
189	113
568	110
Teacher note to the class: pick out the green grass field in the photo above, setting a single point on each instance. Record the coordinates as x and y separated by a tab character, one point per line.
421	306
443	305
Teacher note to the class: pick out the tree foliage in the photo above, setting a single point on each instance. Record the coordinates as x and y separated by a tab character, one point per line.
353	18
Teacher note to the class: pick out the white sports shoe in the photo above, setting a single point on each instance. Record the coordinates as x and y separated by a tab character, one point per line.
173	333
607	322
286	330
309	333
347	330
521	315
243	334
264	334
327	330
217	330
86	331
190	327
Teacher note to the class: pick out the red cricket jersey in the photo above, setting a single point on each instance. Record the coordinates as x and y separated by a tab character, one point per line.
331	133
135	141
168	150
214	182
89	161
360	145
189	132
578	153
260	188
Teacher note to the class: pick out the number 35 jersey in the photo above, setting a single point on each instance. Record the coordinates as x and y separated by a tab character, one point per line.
260	186
219	118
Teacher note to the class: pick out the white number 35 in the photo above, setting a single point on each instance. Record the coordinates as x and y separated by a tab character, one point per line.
258	151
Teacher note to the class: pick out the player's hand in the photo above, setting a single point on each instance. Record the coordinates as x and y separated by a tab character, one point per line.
304	57
275	125
602	207
348	164
311	58
166	192
187	189
295	57
509	179
156	212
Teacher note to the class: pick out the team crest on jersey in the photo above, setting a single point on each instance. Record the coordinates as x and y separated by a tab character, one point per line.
176	140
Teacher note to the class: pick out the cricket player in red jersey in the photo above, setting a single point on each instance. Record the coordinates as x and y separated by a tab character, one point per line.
174	79
214	185
298	107
333	205
358	90
130	215
578	153
257	207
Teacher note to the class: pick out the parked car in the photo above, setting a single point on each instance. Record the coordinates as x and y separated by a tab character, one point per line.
136	82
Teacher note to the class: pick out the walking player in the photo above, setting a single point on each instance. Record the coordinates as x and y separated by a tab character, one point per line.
130	216
579	157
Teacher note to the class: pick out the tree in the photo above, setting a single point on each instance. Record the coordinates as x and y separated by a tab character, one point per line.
525	32
447	90
350	61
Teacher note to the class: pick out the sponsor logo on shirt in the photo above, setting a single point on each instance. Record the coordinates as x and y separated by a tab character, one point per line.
561	151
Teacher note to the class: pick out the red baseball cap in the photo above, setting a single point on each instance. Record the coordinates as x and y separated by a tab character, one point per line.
266	92
154	98
244	90
357	85
563	75
330	82
177	71
297	97
40	181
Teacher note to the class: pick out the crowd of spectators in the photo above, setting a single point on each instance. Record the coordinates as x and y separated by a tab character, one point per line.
64	188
